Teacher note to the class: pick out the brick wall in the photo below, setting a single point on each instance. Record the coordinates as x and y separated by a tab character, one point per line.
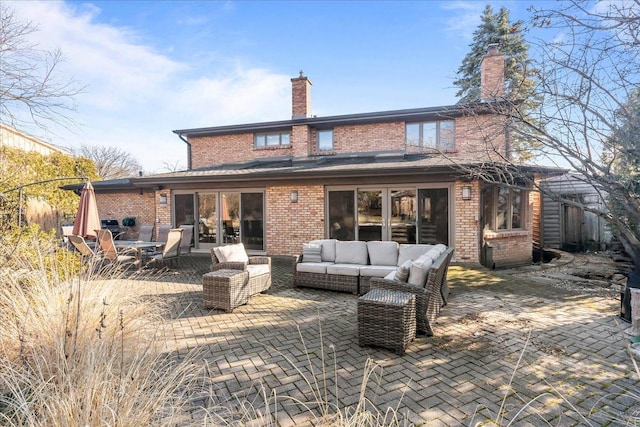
466	223
122	205
511	248
289	225
372	137
480	137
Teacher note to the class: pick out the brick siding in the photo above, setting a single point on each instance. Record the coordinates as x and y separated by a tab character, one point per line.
467	223
122	205
289	225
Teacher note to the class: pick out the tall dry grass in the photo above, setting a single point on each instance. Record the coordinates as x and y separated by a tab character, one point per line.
81	350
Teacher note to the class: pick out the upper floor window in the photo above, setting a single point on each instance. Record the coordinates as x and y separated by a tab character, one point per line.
437	135
325	140
272	139
504	208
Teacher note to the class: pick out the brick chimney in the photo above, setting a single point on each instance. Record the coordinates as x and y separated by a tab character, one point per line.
492	74
300	97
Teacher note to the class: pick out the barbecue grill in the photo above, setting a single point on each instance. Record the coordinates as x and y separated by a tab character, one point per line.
113	226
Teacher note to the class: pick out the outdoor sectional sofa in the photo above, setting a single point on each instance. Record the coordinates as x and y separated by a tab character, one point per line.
358	267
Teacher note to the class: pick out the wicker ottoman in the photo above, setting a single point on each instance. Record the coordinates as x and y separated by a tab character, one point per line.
387	319
225	289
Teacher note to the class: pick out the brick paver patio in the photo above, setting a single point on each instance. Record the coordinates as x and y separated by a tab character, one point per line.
574	361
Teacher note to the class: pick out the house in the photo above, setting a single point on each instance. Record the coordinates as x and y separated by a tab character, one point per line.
391	175
12	137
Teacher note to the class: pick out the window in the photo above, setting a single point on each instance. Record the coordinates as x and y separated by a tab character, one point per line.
272	139
438	135
325	140
504	208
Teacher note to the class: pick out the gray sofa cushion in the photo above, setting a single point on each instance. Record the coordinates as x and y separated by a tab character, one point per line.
376	270
313	267
383	253
409	251
351	253
328	252
344	269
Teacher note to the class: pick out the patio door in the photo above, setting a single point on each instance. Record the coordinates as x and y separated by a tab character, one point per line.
228	217
368	214
433	216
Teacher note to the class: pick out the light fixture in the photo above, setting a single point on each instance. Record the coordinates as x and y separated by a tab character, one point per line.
294	196
163	199
466	192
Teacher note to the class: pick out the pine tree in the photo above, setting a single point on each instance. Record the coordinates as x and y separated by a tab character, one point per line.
496	28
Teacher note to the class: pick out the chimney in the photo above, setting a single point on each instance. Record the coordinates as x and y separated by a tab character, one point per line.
300	97
492	74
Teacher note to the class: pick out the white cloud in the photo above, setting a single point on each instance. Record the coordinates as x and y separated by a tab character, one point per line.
465	19
136	96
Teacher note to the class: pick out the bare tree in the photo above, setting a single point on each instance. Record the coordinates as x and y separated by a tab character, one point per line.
111	162
588	73
31	89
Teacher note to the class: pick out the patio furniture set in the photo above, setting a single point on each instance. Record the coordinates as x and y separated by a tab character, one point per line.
401	286
109	250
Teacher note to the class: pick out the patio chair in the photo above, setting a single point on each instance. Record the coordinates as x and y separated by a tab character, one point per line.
171	250
163	232
67	230
109	251
81	246
187	235
146	233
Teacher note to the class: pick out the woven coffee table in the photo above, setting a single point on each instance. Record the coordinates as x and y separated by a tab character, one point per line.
387	319
225	289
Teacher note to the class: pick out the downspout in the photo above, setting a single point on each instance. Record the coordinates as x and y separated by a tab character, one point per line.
188	150
507	142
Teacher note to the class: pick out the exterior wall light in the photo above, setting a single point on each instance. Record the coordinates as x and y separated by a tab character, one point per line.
466	192
163	199
294	196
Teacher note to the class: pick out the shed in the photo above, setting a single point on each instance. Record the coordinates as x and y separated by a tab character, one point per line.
569	227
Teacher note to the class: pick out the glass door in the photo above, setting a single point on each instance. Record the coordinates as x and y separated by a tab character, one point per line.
252	214
370	215
207	220
387	214
402	215
230	215
433	216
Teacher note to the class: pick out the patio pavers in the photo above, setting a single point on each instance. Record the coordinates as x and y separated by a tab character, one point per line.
574	360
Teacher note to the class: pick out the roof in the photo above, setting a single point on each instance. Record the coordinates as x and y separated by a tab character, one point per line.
390	163
415	114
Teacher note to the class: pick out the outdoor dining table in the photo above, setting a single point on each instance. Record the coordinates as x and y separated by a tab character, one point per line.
139	246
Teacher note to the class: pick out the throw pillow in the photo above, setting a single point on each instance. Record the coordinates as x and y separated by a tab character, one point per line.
419	272
402	273
311	253
234	253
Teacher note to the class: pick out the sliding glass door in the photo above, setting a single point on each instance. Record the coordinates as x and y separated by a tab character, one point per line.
368	214
223	217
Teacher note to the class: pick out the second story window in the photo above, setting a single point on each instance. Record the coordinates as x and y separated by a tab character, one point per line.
272	139
325	140
437	135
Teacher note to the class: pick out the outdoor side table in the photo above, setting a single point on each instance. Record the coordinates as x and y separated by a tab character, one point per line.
225	289
387	319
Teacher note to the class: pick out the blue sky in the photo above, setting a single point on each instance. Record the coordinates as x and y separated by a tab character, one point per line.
150	67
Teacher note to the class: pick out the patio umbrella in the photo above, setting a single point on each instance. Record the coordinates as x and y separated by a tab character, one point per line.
87	218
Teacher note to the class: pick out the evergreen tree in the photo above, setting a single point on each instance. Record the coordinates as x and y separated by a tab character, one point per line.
519	73
496	29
